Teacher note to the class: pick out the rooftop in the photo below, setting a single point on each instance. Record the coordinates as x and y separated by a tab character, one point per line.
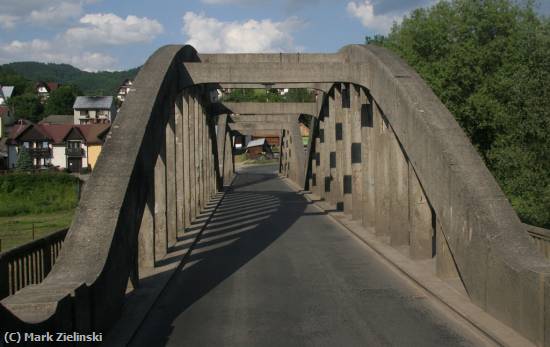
93	102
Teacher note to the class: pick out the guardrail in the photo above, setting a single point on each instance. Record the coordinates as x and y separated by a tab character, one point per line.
30	263
541	237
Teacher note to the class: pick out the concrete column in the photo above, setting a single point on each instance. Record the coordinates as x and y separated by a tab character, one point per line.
356	155
171	184
192	157
330	130
368	161
421	224
323	176
220	136
299	156
180	212
348	177
340	153
445	267
399	193
313	150
186	160
198	154
381	175
161	233
146	236
229	164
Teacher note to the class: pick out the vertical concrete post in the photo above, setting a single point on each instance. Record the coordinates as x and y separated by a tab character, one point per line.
299	156
192	157
356	155
180	225
171	198
368	159
146	236
198	154
161	235
382	174
445	267
186	160
399	193
229	164
339	138
347	179
324	156
421	228
330	130
315	178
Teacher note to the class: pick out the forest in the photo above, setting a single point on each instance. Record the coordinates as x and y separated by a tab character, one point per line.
489	63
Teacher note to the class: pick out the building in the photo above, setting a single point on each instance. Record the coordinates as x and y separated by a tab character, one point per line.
124	90
64	146
256	148
94	110
43	89
5	94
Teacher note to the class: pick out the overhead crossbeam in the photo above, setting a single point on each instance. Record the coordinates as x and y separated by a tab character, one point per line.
261	126
323	87
265	108
272	58
285	118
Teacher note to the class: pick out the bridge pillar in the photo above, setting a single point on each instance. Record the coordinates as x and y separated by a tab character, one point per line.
355	149
299	158
347	177
339	138
171	184
187	152
192	156
146	236
399	193
382	174
421	223
368	159
330	129
180	176
161	236
228	160
324	155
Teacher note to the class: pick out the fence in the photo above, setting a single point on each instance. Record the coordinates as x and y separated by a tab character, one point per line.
30	263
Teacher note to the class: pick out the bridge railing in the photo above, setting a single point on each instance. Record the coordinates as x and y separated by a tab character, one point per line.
541	237
29	263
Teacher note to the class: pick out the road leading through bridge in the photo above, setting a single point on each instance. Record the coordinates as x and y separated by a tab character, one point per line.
272	270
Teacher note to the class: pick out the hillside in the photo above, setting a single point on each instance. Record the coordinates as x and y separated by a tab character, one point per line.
91	83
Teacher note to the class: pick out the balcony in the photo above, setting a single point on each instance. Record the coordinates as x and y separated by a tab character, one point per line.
74	152
39	153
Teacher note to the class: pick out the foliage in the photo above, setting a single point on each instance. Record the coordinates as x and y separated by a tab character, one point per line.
24	160
61	100
9	77
269	95
91	83
27	106
23	193
489	63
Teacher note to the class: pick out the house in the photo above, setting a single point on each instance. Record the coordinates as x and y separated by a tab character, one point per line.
6	119
5	93
124	89
43	89
256	148
94	110
65	146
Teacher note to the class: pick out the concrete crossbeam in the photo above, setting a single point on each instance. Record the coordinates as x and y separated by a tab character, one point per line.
264	108
264	118
261	126
272	58
324	87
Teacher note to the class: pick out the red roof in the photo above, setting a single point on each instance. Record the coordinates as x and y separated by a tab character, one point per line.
58	132
52	86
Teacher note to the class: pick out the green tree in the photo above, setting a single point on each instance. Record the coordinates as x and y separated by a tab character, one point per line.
27	106
61	100
24	160
489	63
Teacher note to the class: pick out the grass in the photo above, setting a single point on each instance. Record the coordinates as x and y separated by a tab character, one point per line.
17	230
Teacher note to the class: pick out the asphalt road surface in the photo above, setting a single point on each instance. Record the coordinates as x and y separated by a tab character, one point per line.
272	270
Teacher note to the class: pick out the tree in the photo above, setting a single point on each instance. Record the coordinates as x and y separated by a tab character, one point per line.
61	100
24	160
489	63
27	106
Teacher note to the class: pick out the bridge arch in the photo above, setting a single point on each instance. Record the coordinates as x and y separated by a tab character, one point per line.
385	150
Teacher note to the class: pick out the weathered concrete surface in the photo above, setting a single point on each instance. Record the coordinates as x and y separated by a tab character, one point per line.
271	270
324	87
267	108
270	118
252	126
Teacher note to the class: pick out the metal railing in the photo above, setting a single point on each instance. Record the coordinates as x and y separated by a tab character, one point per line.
541	237
29	263
40	152
74	152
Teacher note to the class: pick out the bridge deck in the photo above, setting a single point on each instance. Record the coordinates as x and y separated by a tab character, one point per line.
271	270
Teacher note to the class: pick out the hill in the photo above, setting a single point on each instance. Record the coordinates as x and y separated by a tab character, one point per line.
91	83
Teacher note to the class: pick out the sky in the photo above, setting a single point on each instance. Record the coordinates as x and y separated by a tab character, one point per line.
120	34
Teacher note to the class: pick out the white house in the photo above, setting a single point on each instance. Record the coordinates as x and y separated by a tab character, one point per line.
94	110
5	93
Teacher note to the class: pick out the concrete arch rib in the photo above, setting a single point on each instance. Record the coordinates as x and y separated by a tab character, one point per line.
96	258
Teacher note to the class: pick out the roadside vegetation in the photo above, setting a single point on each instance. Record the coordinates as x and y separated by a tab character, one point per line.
489	62
44	202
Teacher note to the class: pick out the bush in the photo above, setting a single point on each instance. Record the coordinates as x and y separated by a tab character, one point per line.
24	193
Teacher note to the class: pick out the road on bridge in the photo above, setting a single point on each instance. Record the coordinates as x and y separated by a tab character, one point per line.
272	270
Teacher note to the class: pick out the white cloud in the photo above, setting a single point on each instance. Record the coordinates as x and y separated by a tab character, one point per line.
111	29
40	12
365	12
54	52
212	35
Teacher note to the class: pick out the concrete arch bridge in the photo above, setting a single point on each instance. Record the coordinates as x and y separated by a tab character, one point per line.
384	152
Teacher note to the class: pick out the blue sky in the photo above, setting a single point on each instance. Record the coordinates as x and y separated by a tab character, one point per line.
114	35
